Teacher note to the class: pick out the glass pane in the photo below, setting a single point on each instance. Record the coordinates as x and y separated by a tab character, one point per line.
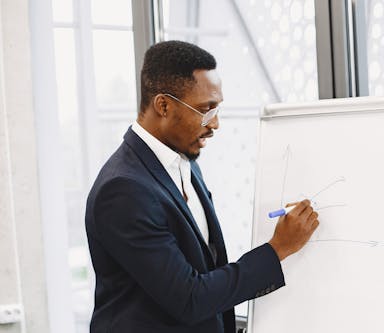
74	179
62	10
111	136
68	108
375	45
115	68
116	12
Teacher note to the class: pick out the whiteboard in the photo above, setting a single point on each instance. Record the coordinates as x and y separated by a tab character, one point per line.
333	152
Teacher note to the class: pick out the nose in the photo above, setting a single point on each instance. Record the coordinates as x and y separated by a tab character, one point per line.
214	123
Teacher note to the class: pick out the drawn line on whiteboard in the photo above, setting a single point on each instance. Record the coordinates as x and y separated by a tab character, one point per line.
287	156
370	243
317	207
340	179
331	206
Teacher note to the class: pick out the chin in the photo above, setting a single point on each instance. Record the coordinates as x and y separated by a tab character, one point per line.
192	156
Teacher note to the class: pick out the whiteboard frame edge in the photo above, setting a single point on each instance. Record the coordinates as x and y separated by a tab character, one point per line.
256	200
324	107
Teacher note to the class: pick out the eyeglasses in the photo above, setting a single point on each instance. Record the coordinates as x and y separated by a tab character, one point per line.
207	117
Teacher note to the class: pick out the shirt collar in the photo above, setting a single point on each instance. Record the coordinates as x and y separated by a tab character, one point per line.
166	155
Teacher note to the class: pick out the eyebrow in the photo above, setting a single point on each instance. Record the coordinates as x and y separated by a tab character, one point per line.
210	104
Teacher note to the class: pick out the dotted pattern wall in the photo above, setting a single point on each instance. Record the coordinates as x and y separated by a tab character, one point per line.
375	44
280	56
285	34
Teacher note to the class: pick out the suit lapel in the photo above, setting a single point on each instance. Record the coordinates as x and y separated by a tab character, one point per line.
149	159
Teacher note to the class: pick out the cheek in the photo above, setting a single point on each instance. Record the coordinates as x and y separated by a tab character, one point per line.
193	134
189	131
182	137
185	131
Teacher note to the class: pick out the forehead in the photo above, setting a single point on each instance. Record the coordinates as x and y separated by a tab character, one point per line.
207	86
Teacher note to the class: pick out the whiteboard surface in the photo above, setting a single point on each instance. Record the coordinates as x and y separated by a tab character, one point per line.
336	282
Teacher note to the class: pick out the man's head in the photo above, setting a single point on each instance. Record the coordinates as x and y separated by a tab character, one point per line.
176	78
169	66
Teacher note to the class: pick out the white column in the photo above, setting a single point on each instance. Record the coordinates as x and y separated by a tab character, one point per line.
9	268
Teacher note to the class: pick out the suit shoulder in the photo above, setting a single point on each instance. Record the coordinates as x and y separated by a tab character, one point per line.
126	185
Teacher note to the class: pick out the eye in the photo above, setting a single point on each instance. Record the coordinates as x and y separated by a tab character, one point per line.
208	108
205	110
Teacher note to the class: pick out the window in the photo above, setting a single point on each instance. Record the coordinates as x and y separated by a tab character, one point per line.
95	74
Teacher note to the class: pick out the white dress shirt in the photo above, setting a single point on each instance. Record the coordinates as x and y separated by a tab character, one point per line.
179	169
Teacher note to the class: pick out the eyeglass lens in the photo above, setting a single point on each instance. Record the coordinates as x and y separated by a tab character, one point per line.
209	116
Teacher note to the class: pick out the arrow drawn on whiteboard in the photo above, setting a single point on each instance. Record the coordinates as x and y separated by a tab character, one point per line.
339	179
371	243
331	206
286	156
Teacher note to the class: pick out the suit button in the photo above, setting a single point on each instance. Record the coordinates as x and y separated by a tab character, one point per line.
267	291
273	287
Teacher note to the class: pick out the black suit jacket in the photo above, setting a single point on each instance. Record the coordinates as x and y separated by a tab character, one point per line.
154	271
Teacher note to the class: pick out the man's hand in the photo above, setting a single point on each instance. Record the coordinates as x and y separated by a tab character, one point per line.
294	229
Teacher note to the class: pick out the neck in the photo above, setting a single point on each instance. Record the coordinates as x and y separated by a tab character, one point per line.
150	125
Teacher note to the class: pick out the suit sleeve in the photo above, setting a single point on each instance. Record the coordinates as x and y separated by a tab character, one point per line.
132	226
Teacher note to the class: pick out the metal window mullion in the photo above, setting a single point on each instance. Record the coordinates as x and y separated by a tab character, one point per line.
158	20
333	49
86	86
341	49
360	47
143	35
324	49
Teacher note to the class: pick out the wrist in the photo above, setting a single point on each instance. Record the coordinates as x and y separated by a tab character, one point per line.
281	254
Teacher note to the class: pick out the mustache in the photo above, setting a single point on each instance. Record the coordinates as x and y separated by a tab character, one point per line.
209	134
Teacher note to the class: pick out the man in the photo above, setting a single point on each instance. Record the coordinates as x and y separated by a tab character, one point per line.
156	245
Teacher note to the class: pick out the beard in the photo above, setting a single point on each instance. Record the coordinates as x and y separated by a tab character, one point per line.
192	157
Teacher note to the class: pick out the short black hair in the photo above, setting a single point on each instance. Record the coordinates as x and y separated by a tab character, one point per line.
168	68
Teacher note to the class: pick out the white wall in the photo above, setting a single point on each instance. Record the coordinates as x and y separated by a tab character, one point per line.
22	273
9	287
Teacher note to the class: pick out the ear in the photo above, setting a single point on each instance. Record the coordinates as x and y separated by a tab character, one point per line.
160	105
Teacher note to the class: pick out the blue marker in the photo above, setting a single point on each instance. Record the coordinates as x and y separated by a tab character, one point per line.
281	212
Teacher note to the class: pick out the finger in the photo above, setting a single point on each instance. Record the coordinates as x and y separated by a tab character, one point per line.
312	229
311	223
315	224
313	217
306	213
300	207
292	204
308	219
